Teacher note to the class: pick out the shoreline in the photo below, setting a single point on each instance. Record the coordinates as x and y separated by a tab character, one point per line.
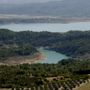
23	59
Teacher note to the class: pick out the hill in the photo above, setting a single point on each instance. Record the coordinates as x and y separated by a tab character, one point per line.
68	73
14	52
72	43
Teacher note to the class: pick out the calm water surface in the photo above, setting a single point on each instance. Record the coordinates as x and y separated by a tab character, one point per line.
51	56
53	27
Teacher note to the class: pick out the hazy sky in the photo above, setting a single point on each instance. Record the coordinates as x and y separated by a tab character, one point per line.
22	1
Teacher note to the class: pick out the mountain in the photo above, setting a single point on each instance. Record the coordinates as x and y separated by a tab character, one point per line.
64	8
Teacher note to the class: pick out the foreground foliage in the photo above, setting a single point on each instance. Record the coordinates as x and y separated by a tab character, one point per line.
41	74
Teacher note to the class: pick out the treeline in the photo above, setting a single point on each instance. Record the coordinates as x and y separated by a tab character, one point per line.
38	74
72	43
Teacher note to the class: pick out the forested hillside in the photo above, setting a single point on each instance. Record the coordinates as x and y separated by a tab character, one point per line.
72	43
9	48
7	51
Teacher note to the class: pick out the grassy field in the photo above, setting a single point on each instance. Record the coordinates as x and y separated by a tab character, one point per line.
84	87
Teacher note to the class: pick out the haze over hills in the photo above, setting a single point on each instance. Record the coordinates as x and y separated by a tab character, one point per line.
64	8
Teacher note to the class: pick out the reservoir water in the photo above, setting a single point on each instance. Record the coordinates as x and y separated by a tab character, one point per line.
52	27
51	56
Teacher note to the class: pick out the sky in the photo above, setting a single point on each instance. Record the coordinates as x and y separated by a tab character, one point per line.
22	1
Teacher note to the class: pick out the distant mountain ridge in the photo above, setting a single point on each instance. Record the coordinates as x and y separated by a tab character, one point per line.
64	8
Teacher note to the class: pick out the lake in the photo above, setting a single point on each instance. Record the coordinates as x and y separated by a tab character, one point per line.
51	56
52	27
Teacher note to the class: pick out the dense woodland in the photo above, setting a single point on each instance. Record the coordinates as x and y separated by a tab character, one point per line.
38	74
72	43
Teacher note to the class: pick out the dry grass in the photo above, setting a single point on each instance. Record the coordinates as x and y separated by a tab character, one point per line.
85	86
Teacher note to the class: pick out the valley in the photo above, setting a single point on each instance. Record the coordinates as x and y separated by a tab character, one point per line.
21	56
54	41
44	44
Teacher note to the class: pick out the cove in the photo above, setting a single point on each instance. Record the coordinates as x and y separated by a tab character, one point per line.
51	56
